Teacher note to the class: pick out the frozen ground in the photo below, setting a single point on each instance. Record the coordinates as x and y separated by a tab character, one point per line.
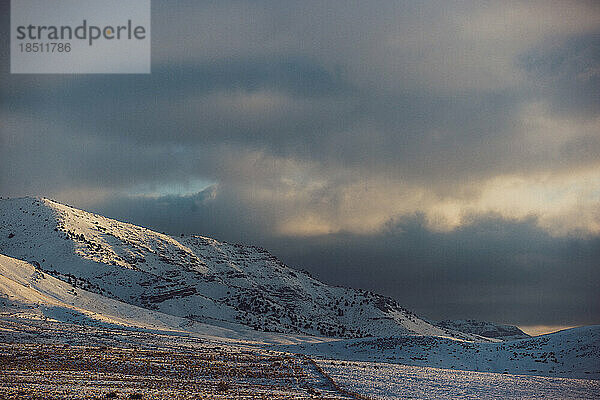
573	353
54	360
393	381
50	359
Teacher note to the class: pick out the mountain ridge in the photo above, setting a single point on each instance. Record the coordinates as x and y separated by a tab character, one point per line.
195	277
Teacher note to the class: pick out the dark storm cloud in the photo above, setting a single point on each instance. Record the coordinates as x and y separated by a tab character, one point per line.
302	112
294	100
228	218
181	102
292	75
39	152
567	73
324	113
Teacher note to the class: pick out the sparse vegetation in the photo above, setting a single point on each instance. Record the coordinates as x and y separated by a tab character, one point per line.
205	372
223	386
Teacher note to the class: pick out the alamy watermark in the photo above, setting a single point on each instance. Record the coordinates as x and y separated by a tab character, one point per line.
80	36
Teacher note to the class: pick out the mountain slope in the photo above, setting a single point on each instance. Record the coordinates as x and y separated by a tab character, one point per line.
572	353
27	292
29	297
194	277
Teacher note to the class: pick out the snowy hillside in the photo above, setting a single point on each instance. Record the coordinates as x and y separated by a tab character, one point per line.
485	329
30	296
194	277
26	292
573	353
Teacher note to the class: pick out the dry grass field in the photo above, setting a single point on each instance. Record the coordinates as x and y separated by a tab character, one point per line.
50	360
54	371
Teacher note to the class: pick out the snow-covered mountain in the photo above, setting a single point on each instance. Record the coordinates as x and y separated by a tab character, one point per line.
194	277
484	328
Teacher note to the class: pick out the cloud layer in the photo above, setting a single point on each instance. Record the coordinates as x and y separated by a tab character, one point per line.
296	125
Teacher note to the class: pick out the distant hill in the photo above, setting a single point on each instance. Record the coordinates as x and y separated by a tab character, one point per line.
485	329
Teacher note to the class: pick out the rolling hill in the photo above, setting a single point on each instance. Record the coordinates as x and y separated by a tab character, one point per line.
194	277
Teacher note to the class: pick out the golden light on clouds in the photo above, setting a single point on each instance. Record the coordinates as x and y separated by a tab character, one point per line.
561	204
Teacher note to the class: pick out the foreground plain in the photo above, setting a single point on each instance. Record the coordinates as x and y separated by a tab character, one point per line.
57	360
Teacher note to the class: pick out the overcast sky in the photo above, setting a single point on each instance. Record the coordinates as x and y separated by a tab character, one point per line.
443	153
